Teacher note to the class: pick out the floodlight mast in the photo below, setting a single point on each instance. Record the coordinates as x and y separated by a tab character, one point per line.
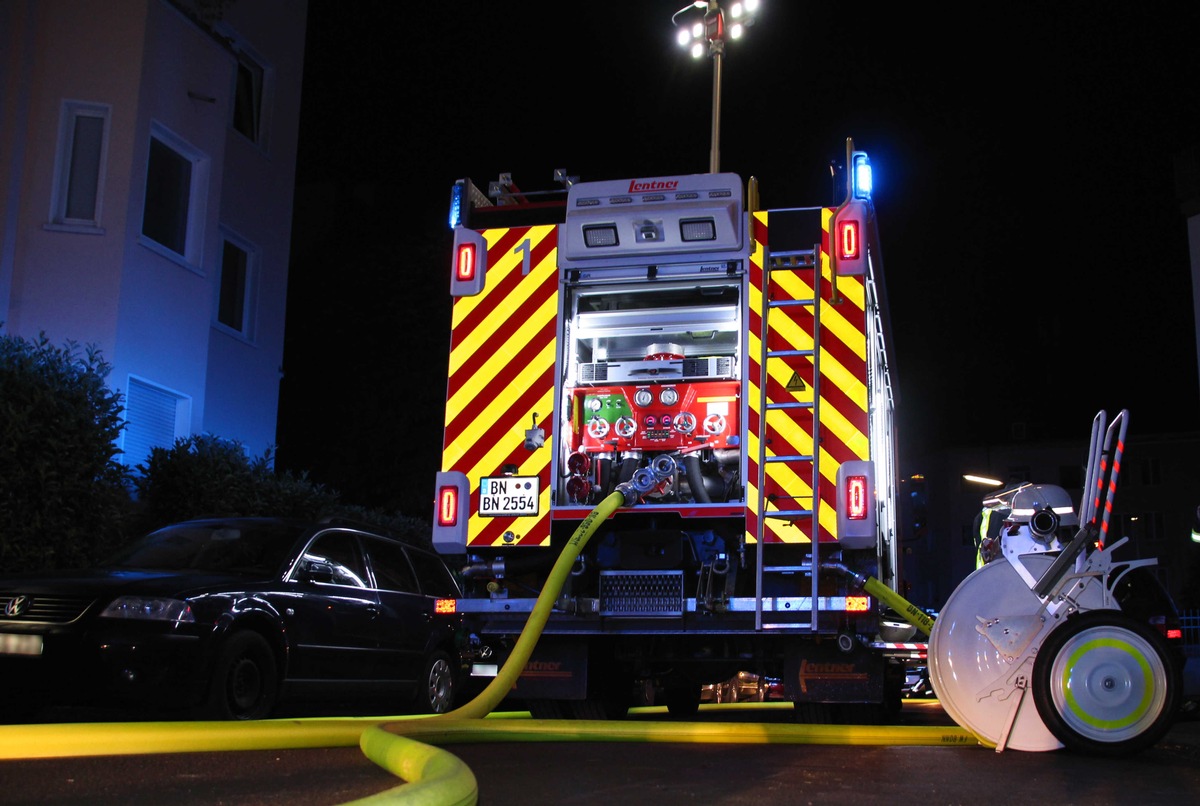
711	31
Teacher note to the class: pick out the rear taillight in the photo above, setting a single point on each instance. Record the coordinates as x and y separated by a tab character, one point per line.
447	511
464	263
857	502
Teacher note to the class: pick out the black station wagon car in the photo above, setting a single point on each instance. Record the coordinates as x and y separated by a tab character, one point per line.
229	617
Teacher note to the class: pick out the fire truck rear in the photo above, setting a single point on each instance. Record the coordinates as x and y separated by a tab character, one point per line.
730	364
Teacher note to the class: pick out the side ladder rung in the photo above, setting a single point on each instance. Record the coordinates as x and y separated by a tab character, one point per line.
792	405
788	513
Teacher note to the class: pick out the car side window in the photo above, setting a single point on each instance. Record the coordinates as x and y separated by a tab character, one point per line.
391	567
433	575
340	551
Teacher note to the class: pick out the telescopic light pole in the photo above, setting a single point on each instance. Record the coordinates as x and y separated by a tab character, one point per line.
707	36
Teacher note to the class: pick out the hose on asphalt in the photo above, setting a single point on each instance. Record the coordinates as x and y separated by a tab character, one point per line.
404	745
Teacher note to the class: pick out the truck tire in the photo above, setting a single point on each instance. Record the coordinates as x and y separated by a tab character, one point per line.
682	699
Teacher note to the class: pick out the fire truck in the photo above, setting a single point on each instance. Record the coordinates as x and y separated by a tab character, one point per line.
730	364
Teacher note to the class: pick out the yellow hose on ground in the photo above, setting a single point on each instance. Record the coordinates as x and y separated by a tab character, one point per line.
435	777
503	682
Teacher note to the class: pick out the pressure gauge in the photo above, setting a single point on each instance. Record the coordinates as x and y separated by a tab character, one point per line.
668	396
643	397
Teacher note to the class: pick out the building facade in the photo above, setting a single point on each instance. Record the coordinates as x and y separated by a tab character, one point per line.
1154	505
147	167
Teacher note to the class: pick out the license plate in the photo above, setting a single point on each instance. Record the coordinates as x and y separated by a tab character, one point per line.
11	644
501	496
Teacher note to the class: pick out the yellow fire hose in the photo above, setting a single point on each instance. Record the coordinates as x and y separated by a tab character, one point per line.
401	745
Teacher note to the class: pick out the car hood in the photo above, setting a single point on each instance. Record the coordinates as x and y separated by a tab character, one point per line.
117	581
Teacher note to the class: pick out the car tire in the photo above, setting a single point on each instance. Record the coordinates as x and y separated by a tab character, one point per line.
245	684
436	687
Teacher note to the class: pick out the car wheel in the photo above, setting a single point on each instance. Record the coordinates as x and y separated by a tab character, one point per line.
1104	684
435	687
244	682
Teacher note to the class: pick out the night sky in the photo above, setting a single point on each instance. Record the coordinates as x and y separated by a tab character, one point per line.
1035	253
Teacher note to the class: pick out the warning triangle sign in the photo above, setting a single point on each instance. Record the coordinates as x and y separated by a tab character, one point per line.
796	383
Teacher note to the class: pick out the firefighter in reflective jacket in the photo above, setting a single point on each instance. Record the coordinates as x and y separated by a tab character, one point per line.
987	533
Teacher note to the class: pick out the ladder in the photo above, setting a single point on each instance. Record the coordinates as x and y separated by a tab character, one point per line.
804	266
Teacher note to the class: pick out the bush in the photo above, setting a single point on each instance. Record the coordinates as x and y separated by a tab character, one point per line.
64	499
208	476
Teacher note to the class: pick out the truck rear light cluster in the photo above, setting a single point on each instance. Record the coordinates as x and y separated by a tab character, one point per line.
858	604
447	506
464	262
848	239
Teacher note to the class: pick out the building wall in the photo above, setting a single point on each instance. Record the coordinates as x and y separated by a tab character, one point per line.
1158	490
159	69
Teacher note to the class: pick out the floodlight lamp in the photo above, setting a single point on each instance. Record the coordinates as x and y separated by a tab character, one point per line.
697	50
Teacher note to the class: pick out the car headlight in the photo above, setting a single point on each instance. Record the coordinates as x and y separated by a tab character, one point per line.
149	608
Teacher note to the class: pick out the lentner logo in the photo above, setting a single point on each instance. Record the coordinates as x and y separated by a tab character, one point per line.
810	671
636	186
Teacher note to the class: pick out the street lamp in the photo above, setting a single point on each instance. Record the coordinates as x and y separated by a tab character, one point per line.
708	35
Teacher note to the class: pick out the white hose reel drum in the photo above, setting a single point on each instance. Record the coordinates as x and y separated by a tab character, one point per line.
1035	674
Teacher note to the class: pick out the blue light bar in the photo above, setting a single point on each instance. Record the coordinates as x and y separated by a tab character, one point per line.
456	203
862	175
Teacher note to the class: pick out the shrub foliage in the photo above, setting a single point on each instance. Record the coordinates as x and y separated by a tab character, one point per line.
67	501
63	496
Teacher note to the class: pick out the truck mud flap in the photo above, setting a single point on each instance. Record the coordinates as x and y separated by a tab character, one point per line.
825	672
555	671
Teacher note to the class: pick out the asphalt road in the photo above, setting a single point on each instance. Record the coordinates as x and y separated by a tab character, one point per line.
661	774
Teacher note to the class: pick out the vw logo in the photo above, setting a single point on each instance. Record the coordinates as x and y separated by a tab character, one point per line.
16	606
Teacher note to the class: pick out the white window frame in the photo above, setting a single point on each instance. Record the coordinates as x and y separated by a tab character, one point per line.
71	112
193	239
244	54
249	289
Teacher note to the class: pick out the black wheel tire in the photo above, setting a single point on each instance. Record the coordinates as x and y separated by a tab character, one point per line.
682	699
548	709
813	713
1105	684
245	684
437	686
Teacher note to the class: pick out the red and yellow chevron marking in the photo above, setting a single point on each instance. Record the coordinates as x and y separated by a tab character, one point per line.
501	375
840	410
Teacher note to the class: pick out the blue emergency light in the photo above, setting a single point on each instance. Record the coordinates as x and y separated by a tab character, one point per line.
456	203
862	175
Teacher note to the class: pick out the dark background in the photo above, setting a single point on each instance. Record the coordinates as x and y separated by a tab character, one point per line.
1035	252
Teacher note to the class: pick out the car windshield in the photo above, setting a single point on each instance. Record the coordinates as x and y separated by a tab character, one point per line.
227	547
